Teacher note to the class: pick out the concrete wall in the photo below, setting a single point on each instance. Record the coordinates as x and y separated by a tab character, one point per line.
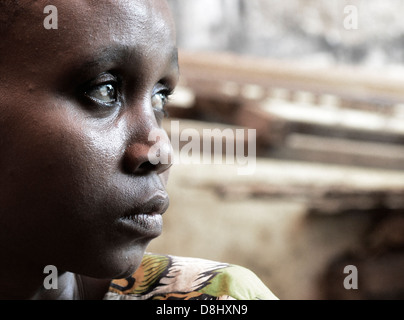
312	30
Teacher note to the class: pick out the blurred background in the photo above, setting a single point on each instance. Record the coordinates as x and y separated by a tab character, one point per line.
322	83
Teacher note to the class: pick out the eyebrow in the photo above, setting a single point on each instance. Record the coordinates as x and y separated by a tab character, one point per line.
174	57
174	60
108	55
122	54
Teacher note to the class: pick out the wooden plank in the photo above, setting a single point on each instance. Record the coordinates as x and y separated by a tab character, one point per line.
345	82
288	101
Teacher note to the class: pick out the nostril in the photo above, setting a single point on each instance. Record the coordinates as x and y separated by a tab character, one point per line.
145	167
141	159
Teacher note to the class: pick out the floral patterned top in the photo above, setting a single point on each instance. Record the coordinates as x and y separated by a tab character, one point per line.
165	277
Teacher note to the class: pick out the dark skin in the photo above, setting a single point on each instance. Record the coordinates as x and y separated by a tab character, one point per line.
77	104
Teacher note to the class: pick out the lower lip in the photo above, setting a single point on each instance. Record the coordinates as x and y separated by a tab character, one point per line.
144	224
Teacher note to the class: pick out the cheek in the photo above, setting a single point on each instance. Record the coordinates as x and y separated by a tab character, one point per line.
86	159
59	161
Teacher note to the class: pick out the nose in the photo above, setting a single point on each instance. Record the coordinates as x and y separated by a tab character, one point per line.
149	154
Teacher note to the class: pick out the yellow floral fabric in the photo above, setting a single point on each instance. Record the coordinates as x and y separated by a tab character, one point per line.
165	277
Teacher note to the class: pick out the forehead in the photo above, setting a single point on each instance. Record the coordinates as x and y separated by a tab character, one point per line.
92	25
119	20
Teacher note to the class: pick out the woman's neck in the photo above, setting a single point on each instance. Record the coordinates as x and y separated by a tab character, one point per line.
69	287
75	287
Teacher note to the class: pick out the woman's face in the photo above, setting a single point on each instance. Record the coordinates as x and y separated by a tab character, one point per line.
77	105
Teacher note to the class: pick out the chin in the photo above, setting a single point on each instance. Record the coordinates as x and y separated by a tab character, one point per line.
119	264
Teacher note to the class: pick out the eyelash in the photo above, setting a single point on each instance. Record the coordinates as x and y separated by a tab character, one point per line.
167	94
115	84
89	93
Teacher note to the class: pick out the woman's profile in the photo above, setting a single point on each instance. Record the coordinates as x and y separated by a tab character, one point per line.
77	188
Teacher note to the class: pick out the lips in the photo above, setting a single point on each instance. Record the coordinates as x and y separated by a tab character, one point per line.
158	204
146	219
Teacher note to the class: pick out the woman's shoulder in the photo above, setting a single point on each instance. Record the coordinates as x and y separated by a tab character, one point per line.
166	277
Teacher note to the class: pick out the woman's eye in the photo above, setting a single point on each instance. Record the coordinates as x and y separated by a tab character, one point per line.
159	100
104	93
